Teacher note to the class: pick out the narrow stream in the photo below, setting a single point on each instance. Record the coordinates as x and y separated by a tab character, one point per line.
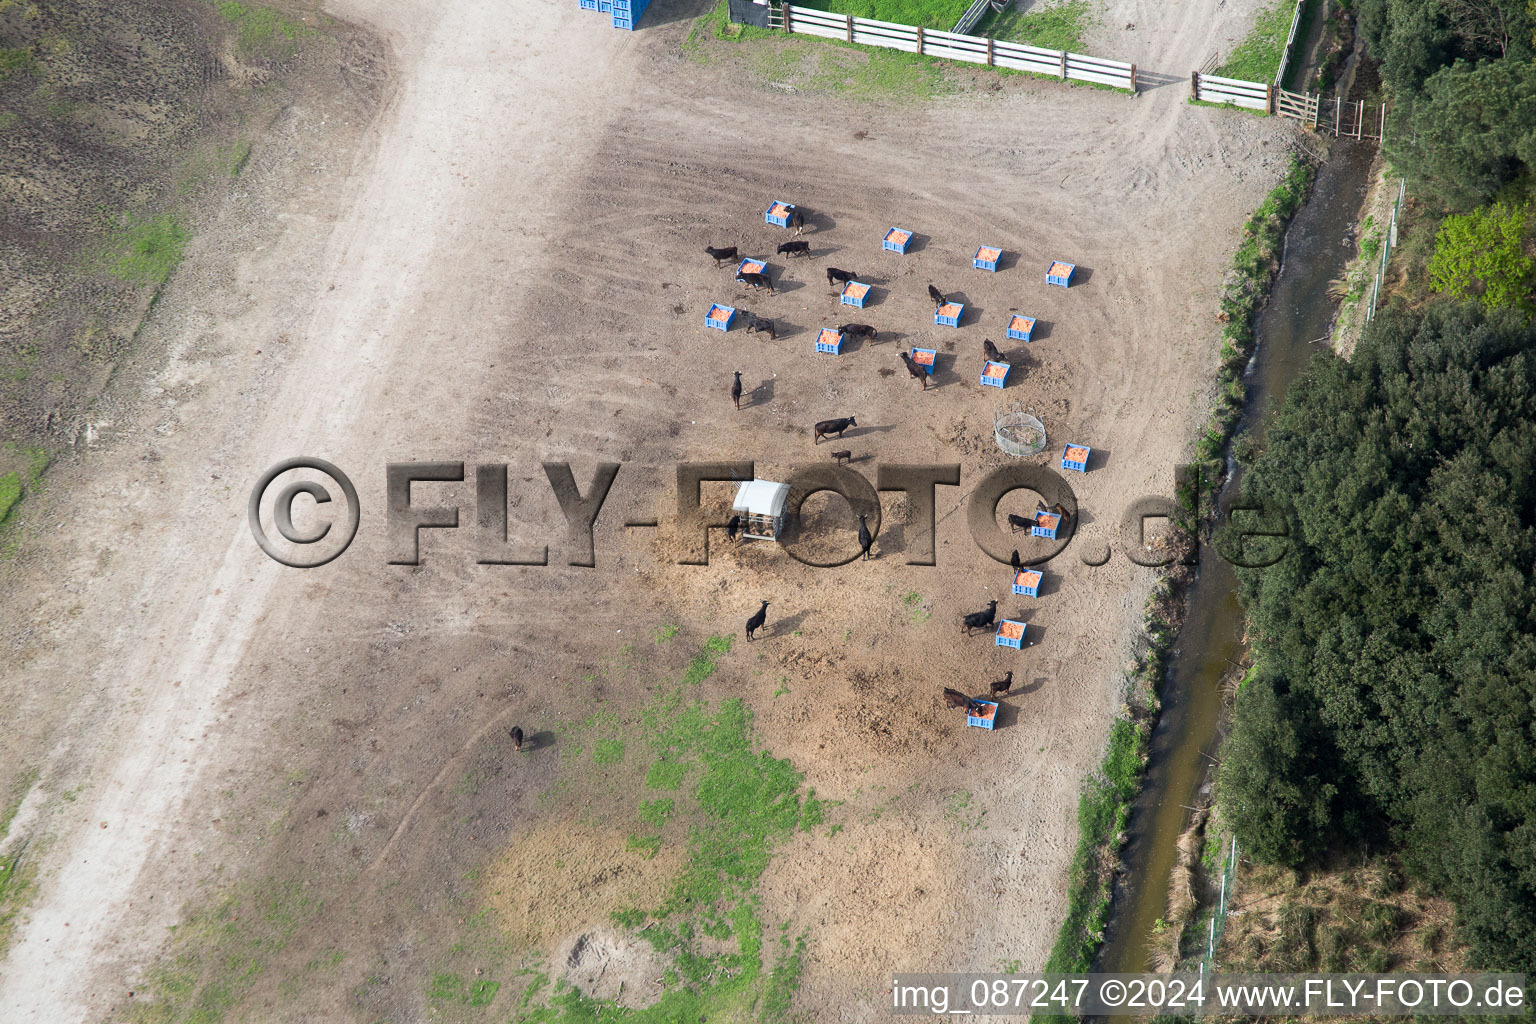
1298	314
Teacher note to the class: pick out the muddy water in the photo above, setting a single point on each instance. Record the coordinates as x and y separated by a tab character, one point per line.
1292	328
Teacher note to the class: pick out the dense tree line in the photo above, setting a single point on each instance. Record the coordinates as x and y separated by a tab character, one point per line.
1462	85
1395	695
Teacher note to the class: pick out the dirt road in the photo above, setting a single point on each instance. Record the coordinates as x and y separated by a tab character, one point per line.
505	267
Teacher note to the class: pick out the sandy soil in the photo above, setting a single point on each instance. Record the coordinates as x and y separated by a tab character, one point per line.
507	267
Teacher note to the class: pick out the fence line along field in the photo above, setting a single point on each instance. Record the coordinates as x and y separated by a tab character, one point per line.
314	772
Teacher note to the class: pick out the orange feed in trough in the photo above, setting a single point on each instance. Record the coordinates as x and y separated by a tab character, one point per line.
1060	269
1077	454
923	357
1011	630
949	309
989	255
856	290
899	237
779	210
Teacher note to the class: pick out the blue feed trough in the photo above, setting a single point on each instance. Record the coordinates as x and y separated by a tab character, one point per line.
830	340
1027	582
1060	273
1075	456
1046	525
719	317
981	713
855	293
779	213
1020	328
1010	633
949	314
994	375
751	266
925	357
986	258
897	240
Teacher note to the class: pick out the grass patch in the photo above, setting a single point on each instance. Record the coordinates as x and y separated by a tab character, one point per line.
732	805
10	494
239	155
813	64
940	14
262	32
1101	815
147	251
1257	58
218	954
1054	28
16	60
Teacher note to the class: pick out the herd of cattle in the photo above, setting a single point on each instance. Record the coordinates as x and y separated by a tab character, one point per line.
798	247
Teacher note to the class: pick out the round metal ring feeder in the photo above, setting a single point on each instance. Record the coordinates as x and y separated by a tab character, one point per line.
1019	434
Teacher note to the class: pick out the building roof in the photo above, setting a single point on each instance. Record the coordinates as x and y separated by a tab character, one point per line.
761	498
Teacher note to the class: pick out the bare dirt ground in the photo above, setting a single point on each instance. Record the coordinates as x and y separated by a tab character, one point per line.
506	266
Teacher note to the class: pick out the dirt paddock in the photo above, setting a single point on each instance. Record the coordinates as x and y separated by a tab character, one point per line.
507	266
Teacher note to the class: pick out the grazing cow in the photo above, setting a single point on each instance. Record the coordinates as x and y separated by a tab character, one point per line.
517	739
835	276
859	331
733	527
1014	561
842	457
979	620
1002	686
936	295
955	699
755	623
915	370
826	427
721	255
752	280
991	350
736	390
1066	516
759	323
865	537
1020	522
796	248
797	220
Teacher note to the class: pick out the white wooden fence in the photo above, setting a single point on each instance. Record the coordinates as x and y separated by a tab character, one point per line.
955	46
1388	243
1232	91
1290	44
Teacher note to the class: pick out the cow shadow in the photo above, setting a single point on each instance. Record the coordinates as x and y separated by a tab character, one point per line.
762	394
785	626
783	284
538	741
817	221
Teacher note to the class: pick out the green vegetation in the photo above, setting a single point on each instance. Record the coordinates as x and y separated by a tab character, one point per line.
239	155
732	805
1253	270
148	250
1101	815
262	32
16	61
10	494
1395	697
1485	255
1257	57
1060	27
820	65
940	14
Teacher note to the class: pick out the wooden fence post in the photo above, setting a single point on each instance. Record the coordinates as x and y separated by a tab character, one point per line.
1194	85
919	40
788	27
1133	78
1269	99
850	27
1063	65
991	61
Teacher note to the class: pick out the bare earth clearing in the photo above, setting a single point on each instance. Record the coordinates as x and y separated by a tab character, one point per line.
509	269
